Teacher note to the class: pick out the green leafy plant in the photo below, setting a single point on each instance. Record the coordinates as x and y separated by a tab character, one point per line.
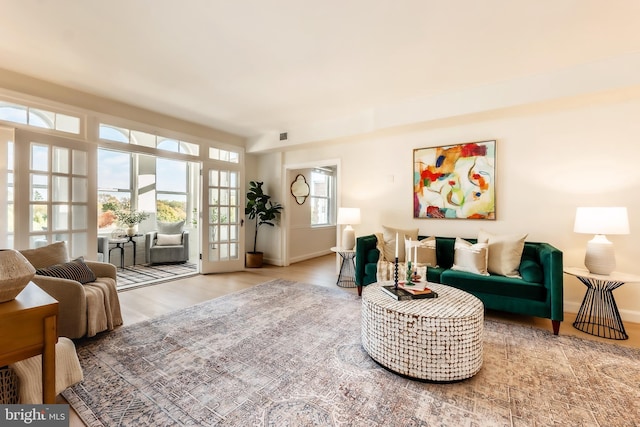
261	209
130	218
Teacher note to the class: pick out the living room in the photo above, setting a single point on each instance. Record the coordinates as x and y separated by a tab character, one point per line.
565	130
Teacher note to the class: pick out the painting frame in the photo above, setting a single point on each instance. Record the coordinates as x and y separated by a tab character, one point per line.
455	181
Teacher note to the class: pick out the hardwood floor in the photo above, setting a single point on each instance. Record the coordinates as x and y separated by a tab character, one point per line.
151	301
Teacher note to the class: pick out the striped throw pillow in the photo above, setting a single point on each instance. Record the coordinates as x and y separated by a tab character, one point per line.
74	270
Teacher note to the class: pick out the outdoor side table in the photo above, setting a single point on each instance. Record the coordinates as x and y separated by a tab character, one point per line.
598	314
346	277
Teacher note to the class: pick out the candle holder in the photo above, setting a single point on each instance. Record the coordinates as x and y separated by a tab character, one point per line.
395	274
409	274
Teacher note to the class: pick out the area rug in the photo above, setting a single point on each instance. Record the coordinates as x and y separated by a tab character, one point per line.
144	274
288	354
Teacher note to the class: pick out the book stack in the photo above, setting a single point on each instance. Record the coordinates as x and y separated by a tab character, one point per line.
407	291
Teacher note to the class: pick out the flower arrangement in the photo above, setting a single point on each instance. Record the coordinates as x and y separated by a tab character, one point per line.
130	218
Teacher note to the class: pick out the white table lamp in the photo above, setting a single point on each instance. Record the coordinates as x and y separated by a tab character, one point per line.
348	217
600	256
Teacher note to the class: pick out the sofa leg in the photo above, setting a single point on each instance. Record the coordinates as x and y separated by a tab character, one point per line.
359	291
556	326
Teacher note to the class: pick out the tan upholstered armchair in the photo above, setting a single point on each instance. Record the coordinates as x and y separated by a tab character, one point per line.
84	308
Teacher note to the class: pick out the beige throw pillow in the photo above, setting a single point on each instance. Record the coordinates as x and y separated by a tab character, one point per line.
505	252
426	252
470	258
389	236
45	256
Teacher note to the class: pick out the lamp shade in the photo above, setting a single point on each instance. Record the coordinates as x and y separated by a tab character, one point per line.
601	220
349	216
15	273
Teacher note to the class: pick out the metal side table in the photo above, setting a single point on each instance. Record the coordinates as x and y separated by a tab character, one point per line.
598	314
346	278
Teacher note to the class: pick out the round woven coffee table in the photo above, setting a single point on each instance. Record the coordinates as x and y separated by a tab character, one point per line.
435	339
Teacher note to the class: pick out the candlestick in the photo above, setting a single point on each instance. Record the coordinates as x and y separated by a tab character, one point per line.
395	273
396	245
415	255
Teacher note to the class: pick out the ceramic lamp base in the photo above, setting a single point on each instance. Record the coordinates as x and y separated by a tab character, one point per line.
600	257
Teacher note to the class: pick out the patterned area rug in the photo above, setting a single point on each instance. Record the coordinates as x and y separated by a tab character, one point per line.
289	354
143	274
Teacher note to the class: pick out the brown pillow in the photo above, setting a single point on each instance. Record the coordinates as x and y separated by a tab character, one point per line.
55	253
427	252
389	236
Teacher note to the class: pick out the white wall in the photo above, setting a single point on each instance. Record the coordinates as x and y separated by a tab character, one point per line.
551	158
305	241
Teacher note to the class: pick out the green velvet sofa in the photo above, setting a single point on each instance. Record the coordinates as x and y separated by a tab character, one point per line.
538	293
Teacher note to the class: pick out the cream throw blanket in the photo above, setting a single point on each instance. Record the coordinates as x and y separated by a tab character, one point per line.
29	372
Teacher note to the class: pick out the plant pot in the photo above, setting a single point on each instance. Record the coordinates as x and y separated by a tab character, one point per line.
15	274
253	259
132	230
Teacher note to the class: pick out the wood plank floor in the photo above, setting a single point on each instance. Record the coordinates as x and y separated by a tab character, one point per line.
151	301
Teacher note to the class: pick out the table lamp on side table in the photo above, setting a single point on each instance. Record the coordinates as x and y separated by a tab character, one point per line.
600	256
348	217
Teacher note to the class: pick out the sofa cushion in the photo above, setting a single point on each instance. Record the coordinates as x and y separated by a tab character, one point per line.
45	256
168	239
471	258
389	238
170	227
505	252
74	270
494	285
531	271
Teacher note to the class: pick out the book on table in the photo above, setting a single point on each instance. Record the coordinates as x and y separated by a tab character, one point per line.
402	293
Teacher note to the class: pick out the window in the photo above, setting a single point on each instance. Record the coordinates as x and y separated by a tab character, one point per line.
224	155
135	137
321	196
17	113
171	186
114	185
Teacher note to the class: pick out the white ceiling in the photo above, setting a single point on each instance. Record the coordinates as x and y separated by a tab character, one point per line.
256	66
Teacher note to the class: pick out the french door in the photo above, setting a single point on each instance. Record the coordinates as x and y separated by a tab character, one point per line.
53	201
222	233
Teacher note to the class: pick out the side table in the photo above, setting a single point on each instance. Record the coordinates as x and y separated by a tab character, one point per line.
598	314
28	327
346	277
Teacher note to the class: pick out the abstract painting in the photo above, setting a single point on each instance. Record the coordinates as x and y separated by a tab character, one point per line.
455	181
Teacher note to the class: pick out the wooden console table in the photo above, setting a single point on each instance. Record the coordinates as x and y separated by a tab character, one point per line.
28	327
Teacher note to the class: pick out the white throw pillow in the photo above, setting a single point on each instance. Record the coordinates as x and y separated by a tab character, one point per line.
389	235
505	252
471	258
168	239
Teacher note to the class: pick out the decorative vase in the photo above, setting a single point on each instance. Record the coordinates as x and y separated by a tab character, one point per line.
15	274
132	230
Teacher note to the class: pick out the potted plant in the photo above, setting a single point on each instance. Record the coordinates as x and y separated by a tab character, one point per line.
130	219
261	209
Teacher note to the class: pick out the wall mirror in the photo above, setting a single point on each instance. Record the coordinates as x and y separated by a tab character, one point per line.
300	189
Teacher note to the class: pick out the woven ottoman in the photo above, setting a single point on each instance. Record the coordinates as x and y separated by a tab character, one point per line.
435	339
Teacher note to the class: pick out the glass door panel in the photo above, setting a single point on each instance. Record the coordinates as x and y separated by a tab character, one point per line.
222	234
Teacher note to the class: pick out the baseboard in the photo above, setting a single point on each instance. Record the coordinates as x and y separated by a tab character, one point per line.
305	257
627	315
